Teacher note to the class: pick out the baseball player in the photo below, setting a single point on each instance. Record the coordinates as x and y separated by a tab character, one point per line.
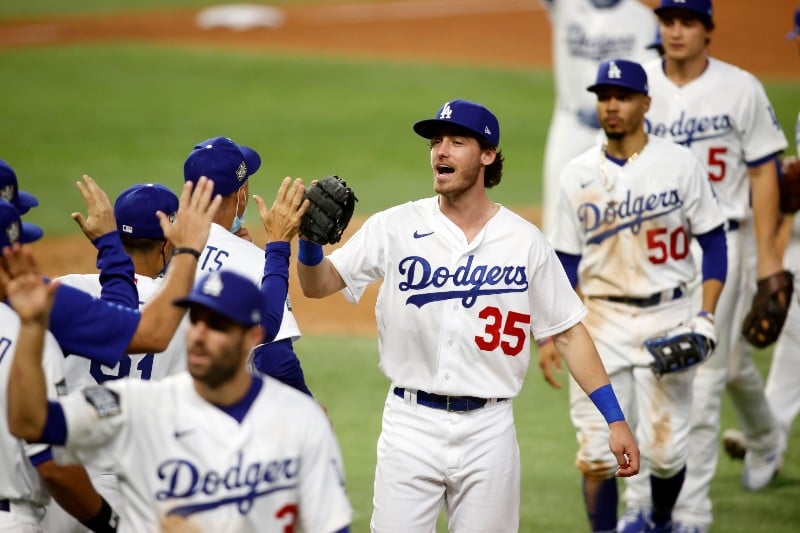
30	475
143	239
230	166
628	210
465	284
723	115
228	450
782	389
584	34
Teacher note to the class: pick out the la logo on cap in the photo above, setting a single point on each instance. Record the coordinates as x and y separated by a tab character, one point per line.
614	73
447	112
12	232
241	172
213	285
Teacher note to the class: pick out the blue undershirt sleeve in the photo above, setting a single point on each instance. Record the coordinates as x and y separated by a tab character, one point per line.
55	427
274	287
117	281
570	263
278	360
715	254
90	327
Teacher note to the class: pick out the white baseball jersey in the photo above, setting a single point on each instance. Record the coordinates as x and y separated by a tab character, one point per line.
224	250
81	371
18	478
726	119
183	462
583	36
633	224
454	317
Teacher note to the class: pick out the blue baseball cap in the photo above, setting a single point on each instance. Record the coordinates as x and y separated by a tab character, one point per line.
701	7
135	210
224	162
228	294
796	31
13	229
469	115
620	73
9	190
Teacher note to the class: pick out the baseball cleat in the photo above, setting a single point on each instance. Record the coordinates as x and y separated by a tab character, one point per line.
734	443
759	470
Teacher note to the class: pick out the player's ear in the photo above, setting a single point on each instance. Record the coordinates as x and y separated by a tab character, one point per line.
647	101
254	336
488	155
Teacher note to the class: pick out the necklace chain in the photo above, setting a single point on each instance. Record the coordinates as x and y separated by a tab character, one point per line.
608	183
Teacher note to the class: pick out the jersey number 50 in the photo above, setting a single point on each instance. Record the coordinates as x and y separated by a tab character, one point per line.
497	327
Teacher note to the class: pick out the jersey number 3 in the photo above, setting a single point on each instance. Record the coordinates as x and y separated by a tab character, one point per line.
498	326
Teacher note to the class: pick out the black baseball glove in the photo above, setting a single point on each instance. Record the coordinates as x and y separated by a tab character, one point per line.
332	205
682	347
764	322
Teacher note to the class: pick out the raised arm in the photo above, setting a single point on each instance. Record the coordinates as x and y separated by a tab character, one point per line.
116	268
188	235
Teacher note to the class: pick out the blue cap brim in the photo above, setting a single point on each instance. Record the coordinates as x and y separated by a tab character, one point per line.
30	232
251	159
25	201
214	305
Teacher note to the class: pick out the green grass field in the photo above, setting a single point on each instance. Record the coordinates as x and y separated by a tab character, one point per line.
130	113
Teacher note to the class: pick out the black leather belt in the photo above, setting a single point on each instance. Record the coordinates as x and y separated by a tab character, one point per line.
5	505
732	225
447	403
646	301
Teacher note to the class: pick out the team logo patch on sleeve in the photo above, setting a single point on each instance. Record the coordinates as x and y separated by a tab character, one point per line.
104	400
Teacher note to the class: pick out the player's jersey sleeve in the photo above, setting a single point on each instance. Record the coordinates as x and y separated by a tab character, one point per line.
702	208
116	271
96	417
761	131
323	500
565	233
90	327
361	260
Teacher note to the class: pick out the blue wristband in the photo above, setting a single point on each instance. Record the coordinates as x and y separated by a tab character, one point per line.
606	402
309	253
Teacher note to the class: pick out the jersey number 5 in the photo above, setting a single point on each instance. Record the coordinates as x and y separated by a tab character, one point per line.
716	165
496	327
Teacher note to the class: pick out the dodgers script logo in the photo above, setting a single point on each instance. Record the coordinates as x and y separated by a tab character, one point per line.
686	130
629	213
476	280
597	48
239	485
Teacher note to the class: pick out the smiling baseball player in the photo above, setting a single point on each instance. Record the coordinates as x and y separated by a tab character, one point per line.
227	451
584	34
723	115
627	213
466	282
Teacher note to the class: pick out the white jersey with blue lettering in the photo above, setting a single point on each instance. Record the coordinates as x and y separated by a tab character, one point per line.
583	36
225	250
187	465
455	317
726	119
632	225
81	371
19	480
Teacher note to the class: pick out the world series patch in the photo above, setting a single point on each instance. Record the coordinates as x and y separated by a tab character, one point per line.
104	400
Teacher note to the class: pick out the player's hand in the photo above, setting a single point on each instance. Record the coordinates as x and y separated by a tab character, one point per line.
282	221
196	210
27	291
99	219
624	448
550	364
